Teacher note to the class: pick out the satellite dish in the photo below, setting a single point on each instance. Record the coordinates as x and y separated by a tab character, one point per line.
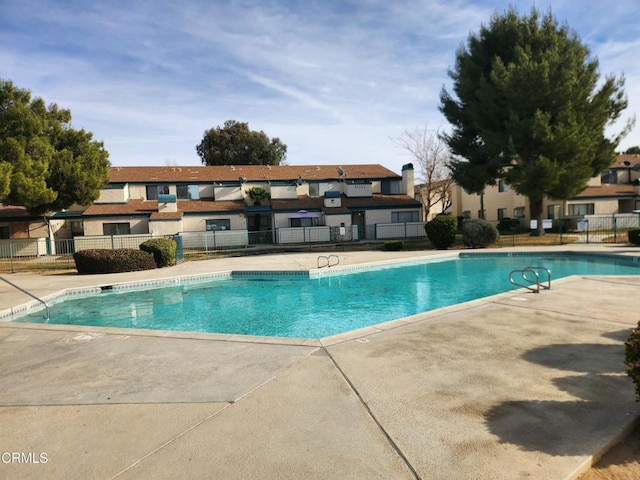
340	171
242	179
299	180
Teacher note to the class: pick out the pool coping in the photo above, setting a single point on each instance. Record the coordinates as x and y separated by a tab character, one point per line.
358	334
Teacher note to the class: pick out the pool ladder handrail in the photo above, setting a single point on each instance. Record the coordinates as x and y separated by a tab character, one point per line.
327	259
46	307
528	282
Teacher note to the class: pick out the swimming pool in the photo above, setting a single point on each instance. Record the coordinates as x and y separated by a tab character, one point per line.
297	304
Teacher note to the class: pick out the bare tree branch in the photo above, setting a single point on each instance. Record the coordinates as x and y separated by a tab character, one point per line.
431	155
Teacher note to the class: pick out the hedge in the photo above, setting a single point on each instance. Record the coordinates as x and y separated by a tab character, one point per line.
478	233
393	245
162	249
634	236
441	231
113	261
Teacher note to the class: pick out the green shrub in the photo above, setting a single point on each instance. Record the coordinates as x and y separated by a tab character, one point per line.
393	245
441	231
634	236
113	261
162	249
632	358
478	233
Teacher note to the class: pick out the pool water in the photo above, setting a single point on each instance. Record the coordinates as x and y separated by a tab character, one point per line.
303	307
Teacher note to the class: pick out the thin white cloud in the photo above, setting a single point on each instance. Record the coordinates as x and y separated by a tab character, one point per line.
334	80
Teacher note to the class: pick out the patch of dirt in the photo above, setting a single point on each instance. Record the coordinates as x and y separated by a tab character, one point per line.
622	462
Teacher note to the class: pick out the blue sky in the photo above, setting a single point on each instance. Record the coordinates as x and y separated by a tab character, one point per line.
336	81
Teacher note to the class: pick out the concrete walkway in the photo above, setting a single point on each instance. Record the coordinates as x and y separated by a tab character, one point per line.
515	386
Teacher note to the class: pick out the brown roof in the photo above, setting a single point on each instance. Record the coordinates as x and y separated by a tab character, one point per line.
7	211
166	216
608	190
626	160
150	207
132	207
232	173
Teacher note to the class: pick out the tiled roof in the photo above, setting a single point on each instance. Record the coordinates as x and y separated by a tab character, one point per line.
382	201
166	216
150	207
250	173
205	206
626	160
132	207
622	189
12	211
303	202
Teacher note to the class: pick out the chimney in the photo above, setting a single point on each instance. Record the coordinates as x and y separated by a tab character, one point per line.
407	179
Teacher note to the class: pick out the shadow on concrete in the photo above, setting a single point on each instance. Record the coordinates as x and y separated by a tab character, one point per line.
584	357
604	405
620	335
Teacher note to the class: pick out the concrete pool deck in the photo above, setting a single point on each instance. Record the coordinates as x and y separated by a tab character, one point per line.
518	385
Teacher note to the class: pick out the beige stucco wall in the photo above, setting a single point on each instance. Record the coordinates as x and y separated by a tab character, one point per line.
138	191
283	192
358	190
336	220
197	223
227	193
114	195
165	227
138	226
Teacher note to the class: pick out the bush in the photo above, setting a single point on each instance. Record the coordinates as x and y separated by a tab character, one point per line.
632	358
162	249
634	236
393	245
113	261
441	231
478	233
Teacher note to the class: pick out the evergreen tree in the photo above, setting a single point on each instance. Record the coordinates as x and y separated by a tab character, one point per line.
44	163
529	107
235	144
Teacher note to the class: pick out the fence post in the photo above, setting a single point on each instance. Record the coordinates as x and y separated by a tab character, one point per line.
615	227
588	228
11	256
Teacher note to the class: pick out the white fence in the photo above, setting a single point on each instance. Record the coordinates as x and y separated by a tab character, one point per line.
215	240
109	241
29	247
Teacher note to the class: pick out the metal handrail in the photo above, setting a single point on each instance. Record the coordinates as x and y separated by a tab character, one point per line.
539	270
28	293
527	282
328	263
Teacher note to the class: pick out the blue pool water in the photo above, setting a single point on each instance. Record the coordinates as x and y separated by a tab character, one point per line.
299	306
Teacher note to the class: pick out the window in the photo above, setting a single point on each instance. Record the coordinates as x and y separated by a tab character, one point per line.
609	176
218	224
77	228
4	232
188	192
303	222
390	187
314	189
502	186
518	212
116	229
466	214
154	190
502	213
482	214
581	209
553	211
404	217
